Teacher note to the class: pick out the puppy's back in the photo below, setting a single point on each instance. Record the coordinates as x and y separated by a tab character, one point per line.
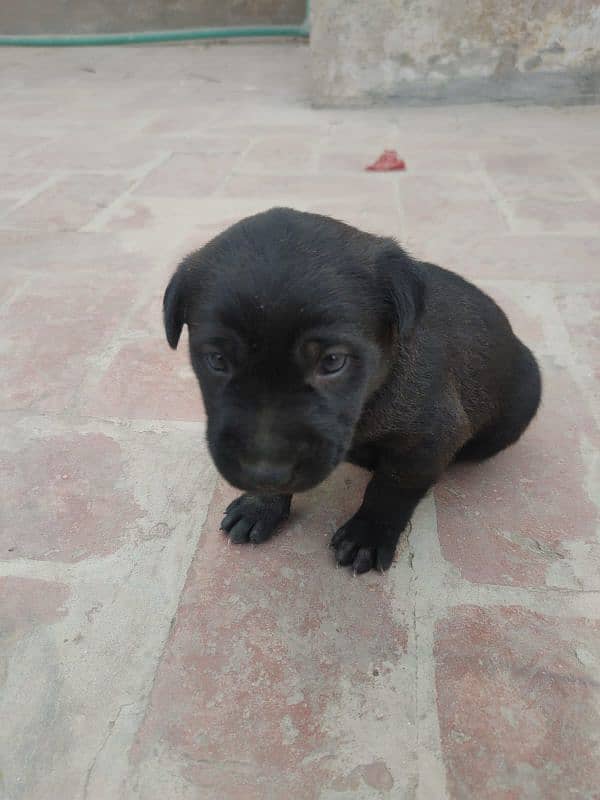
472	334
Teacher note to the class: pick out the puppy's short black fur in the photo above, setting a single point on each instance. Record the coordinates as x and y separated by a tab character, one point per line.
315	343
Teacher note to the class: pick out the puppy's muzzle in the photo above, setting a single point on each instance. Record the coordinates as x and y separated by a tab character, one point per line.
267	476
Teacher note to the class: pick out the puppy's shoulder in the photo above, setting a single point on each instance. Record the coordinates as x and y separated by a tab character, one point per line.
454	298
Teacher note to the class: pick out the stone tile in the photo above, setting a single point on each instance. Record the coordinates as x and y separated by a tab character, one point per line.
563	259
7	202
542	197
371	214
22	109
52	333
68	204
580	311
172	223
263	124
537	213
594	178
163	218
438	206
186	175
279	154
78	658
89	153
146	320
295	189
60	252
62	498
198	141
8	284
353	132
564	128
76	491
518	702
171	124
526	306
525	517
17	184
145	380
28	603
517	170
14	144
585	158
31	609
280	678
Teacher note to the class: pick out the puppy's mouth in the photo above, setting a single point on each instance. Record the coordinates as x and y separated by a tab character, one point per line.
299	483
272	479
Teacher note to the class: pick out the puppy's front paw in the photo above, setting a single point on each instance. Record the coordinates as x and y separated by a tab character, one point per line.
253	518
364	545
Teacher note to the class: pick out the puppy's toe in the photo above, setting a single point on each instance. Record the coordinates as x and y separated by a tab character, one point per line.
363	560
364	545
239	533
349	540
345	552
252	518
338	536
260	532
385	556
229	520
235	504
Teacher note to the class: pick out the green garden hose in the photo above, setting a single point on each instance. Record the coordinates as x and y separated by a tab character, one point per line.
147	37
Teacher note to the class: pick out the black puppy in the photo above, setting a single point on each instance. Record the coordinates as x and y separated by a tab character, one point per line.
315	343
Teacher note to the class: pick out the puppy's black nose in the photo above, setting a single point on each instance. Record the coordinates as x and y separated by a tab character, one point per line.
267	475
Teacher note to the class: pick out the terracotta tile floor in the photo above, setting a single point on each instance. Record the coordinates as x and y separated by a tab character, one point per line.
143	657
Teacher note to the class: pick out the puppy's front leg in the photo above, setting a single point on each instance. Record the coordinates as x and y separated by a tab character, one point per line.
370	537
254	517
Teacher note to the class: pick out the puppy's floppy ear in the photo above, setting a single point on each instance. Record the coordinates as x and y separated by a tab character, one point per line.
174	308
403	286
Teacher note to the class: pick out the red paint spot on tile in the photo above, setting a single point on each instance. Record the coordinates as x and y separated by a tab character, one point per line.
64	498
518	703
388	161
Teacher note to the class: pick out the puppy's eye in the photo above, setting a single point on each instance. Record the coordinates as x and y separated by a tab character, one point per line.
332	363
217	362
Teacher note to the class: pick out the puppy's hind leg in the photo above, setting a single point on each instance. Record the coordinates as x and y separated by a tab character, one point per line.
519	409
254	517
369	539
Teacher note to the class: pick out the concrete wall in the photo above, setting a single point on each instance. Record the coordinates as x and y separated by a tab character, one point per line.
365	51
113	16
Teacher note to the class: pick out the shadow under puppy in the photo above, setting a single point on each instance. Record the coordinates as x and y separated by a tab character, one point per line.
315	343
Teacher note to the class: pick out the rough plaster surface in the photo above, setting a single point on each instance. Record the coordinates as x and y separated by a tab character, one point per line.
114	16
453	50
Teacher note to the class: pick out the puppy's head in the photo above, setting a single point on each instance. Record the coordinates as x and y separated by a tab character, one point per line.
292	320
